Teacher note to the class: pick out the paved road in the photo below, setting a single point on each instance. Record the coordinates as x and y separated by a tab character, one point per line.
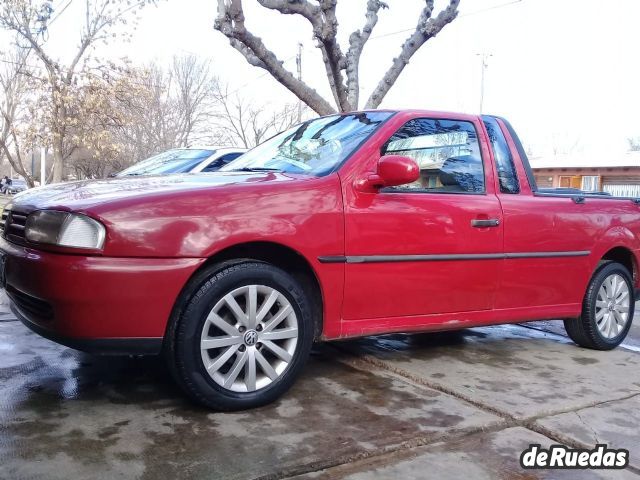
459	405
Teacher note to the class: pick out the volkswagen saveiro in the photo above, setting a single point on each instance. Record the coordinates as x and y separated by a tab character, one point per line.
347	225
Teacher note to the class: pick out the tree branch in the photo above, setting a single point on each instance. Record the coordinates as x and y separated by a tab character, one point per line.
426	29
230	22
334	59
324	23
356	43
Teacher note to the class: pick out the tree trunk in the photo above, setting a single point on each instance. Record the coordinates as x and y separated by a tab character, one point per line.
16	162
23	173
58	159
58	119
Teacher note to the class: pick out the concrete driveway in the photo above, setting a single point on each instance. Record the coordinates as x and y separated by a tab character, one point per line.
456	405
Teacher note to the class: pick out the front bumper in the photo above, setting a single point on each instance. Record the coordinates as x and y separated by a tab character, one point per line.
96	304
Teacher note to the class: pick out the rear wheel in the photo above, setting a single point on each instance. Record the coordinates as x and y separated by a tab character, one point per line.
607	309
243	338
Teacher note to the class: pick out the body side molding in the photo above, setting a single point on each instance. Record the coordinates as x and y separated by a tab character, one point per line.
447	257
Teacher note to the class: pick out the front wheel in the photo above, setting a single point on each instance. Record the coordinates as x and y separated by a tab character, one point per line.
607	309
243	337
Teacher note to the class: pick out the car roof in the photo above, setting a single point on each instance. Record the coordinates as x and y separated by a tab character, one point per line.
215	147
419	112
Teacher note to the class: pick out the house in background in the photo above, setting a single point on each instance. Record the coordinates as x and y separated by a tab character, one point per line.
617	174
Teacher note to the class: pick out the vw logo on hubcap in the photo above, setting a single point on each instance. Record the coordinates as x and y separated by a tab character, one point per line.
250	338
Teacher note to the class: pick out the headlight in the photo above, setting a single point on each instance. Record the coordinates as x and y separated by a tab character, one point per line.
64	229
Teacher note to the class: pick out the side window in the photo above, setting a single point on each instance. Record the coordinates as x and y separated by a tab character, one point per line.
218	163
507	177
447	153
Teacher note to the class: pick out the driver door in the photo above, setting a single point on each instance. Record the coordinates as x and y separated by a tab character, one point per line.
430	247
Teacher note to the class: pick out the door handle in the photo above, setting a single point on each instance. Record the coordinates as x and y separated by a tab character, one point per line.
492	222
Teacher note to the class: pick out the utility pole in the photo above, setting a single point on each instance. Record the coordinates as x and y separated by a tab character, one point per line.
43	169
299	67
484	57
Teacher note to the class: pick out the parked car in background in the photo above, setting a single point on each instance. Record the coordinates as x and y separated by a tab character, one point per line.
347	225
17	185
184	160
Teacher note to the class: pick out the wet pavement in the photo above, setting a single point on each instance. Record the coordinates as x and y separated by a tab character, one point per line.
632	342
459	404
482	456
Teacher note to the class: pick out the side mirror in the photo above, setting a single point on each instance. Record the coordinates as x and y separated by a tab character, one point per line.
393	170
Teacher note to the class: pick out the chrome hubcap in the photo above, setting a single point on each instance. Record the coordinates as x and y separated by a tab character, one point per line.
612	306
249	338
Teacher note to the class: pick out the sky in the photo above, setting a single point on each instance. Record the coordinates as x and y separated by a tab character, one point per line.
566	73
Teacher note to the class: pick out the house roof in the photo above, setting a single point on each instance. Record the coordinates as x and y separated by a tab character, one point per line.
625	159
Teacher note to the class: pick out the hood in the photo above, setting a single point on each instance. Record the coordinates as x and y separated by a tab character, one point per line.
90	193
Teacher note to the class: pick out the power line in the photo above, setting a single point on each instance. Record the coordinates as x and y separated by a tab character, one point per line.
494	7
144	84
20	64
91	74
412	29
259	77
60	12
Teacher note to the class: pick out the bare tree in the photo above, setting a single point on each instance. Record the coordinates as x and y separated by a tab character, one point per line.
86	165
157	127
31	19
14	73
101	110
563	143
243	122
321	14
193	81
634	144
176	110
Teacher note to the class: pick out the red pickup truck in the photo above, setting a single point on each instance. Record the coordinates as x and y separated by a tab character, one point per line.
346	225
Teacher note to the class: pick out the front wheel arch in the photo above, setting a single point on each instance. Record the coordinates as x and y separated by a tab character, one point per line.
276	254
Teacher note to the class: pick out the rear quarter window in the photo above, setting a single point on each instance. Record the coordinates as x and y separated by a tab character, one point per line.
507	176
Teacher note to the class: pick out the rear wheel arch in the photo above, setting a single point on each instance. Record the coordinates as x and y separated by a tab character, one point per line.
616	243
623	256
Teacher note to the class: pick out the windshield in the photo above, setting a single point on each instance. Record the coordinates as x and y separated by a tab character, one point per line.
315	147
179	160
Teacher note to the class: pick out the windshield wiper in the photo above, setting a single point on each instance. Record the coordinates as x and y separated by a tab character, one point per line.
255	169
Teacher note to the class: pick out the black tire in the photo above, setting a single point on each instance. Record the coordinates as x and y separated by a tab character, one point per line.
584	330
182	345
